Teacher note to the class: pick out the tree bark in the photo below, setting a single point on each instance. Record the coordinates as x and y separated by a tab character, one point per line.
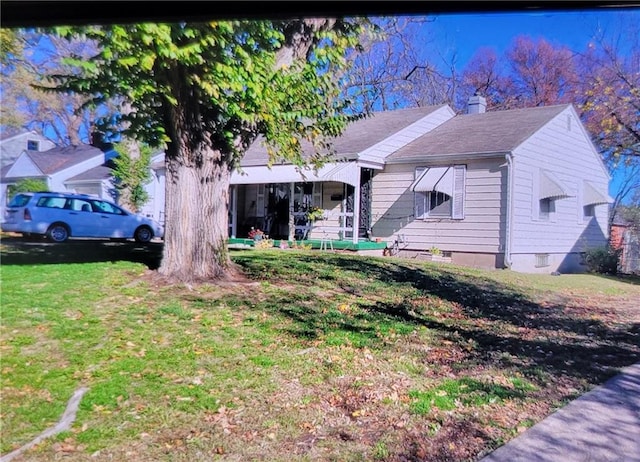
197	200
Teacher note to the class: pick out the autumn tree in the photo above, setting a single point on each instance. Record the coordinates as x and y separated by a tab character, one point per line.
393	68
27	58
206	91
609	92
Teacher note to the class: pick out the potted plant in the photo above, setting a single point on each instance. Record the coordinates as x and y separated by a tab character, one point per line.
314	213
256	234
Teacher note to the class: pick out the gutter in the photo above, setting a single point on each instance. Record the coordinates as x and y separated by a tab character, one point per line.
466	157
508	228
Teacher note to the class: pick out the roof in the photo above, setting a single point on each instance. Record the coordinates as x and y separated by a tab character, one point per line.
357	136
102	172
57	159
488	132
12	132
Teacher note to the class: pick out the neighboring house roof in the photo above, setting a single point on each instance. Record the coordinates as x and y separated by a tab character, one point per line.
57	159
488	132
100	173
358	135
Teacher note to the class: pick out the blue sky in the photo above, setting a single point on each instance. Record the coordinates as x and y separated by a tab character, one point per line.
574	29
463	34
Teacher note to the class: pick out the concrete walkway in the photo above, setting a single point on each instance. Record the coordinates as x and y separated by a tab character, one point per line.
601	426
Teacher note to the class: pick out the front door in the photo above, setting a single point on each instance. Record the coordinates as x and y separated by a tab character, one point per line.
364	223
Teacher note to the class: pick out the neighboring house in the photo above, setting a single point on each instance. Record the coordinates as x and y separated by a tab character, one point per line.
14	144
80	169
626	239
154	207
83	169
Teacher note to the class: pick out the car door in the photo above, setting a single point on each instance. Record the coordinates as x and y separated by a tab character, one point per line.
81	218
111	221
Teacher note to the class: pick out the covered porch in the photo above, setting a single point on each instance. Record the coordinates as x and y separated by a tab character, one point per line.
279	201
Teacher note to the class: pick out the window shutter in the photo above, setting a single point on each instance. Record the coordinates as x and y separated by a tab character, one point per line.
459	180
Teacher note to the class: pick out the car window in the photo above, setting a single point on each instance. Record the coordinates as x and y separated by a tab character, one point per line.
81	205
20	200
106	207
51	202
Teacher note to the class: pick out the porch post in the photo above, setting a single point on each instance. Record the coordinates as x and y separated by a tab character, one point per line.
292	222
356	208
234	210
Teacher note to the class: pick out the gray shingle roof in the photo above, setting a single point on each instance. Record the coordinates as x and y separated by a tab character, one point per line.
57	159
489	132
102	172
357	137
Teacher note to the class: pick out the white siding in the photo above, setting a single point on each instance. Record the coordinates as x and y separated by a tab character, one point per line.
481	230
23	167
571	157
11	148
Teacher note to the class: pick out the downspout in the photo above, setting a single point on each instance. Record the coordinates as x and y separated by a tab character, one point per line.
508	218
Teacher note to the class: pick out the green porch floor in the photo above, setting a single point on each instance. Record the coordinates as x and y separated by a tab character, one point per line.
315	244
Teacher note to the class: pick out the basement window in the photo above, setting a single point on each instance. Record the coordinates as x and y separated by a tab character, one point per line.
542	260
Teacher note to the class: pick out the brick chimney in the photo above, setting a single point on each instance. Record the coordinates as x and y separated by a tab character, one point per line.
477	105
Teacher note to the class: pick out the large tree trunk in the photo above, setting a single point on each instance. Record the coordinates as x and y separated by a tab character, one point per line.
197	200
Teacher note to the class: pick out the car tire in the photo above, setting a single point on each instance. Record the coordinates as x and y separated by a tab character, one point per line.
143	234
58	232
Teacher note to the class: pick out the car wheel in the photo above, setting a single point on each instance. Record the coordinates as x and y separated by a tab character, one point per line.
143	234
58	232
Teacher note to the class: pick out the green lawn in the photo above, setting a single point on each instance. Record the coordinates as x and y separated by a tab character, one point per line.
318	356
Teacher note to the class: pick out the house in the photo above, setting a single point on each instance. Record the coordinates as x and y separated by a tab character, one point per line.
13	144
73	168
83	169
523	189
625	238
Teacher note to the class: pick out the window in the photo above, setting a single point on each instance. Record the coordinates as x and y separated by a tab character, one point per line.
106	207
542	260
588	211
51	202
33	145
439	204
439	192
547	207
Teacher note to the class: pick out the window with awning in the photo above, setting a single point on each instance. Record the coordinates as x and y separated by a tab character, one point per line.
592	196
439	192
552	188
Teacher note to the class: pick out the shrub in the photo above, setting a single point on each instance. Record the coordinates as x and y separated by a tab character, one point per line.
26	185
603	260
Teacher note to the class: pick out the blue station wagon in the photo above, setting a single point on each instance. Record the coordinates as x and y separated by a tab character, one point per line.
59	216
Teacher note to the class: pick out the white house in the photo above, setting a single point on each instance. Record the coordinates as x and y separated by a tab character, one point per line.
14	144
58	168
523	189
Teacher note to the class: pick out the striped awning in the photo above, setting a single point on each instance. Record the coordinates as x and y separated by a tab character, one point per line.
551	187
438	179
592	196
